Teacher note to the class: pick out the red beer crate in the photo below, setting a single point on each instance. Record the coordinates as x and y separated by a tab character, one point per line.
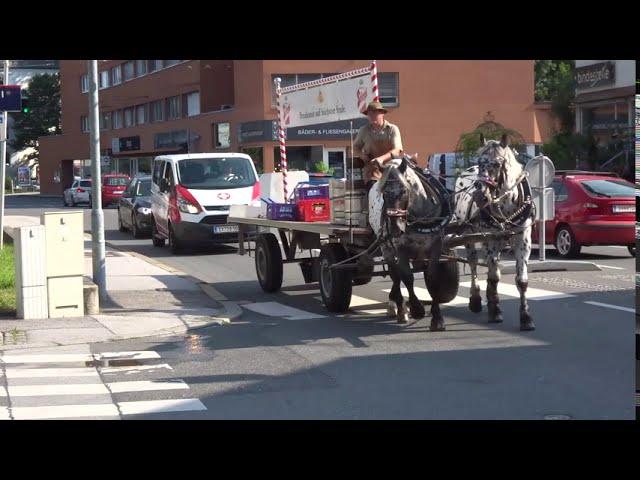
316	210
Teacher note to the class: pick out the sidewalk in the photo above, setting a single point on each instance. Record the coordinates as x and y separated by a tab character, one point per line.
144	300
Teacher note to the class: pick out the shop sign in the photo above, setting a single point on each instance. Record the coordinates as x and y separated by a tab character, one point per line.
596	75
327	131
258	131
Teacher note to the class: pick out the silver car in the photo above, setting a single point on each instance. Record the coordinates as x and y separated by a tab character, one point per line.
79	192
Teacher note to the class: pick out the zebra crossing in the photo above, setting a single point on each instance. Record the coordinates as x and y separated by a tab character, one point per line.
47	386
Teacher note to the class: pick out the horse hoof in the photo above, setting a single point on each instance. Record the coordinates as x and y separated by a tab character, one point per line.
496	319
392	310
403	318
437	325
417	311
475	304
526	323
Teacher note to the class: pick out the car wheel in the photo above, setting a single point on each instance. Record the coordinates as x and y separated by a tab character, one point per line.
134	227
632	250
174	244
121	226
566	244
72	203
157	240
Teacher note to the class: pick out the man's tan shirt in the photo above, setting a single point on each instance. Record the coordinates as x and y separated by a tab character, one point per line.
376	143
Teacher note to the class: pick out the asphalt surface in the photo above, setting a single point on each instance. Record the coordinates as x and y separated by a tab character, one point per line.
287	357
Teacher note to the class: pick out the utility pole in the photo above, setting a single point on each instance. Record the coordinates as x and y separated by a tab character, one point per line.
3	154
97	215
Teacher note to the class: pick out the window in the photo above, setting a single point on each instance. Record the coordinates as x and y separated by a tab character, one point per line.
168	175
289	79
128	71
85	183
221	135
257	156
116	181
388	87
155	65
560	190
142	115
170	63
173	107
157	171
104	79
193	104
84	122
116	119
84	83
143	188
75	184
141	67
158	111
216	173
614	188
128	117
116	75
105	121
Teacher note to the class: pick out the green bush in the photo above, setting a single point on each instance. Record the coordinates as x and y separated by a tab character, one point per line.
565	147
7	279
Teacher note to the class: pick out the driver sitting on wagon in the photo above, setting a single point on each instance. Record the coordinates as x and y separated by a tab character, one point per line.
378	143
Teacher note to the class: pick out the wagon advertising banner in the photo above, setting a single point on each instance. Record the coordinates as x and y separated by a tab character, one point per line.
332	102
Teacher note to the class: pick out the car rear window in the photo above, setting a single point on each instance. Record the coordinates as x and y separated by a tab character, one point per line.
609	188
144	188
85	183
116	181
216	173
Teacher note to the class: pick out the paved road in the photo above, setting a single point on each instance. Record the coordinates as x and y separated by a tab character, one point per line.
286	357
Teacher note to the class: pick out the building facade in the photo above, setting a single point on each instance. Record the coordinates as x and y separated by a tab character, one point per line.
605	101
152	107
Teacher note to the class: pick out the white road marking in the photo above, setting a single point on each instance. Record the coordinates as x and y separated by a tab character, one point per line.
4	413
48	358
132	370
357	301
51	372
423	294
161	406
78	357
62	389
615	307
138	355
65	411
3	392
146	386
212	292
299	292
276	309
512	291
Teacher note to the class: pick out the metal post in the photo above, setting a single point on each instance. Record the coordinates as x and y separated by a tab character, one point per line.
543	189
3	155
97	215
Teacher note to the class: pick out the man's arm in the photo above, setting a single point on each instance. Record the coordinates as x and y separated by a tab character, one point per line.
396	151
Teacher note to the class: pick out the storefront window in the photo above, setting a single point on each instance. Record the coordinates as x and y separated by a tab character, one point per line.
300	158
144	166
257	156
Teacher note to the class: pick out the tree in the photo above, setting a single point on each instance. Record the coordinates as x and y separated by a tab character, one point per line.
44	115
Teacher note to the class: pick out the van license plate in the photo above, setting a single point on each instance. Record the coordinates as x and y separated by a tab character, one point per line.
225	229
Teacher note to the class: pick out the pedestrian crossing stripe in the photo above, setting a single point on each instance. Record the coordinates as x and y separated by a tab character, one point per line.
512	291
18	368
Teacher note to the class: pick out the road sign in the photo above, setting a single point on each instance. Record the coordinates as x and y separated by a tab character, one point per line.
10	98
541	171
549	210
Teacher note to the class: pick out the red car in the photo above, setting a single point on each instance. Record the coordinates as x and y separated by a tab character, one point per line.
112	187
592	208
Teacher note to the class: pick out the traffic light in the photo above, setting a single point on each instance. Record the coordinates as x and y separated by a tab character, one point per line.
25	107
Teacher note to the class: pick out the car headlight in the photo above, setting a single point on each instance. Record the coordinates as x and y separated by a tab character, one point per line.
144	210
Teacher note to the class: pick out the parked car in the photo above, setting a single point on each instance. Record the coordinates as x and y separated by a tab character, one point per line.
191	195
113	185
134	208
591	208
79	192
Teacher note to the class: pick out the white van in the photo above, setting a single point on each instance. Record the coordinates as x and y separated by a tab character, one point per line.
191	195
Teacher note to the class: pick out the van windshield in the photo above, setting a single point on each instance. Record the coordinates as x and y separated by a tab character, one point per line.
215	173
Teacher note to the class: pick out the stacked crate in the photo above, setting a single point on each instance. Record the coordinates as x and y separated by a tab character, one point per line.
349	206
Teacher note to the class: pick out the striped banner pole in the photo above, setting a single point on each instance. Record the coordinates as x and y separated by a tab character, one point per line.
374	81
281	140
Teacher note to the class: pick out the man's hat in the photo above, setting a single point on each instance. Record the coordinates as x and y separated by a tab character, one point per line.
376	106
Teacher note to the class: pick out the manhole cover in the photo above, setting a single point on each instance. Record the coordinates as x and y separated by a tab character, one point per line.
557	417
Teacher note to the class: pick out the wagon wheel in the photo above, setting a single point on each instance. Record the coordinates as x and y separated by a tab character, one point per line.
268	262
335	285
442	280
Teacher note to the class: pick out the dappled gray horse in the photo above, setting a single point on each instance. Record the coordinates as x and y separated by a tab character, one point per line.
494	196
401	211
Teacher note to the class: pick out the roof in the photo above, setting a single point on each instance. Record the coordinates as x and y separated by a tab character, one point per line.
189	156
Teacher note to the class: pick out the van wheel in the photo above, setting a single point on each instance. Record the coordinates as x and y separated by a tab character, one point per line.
157	240
174	244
